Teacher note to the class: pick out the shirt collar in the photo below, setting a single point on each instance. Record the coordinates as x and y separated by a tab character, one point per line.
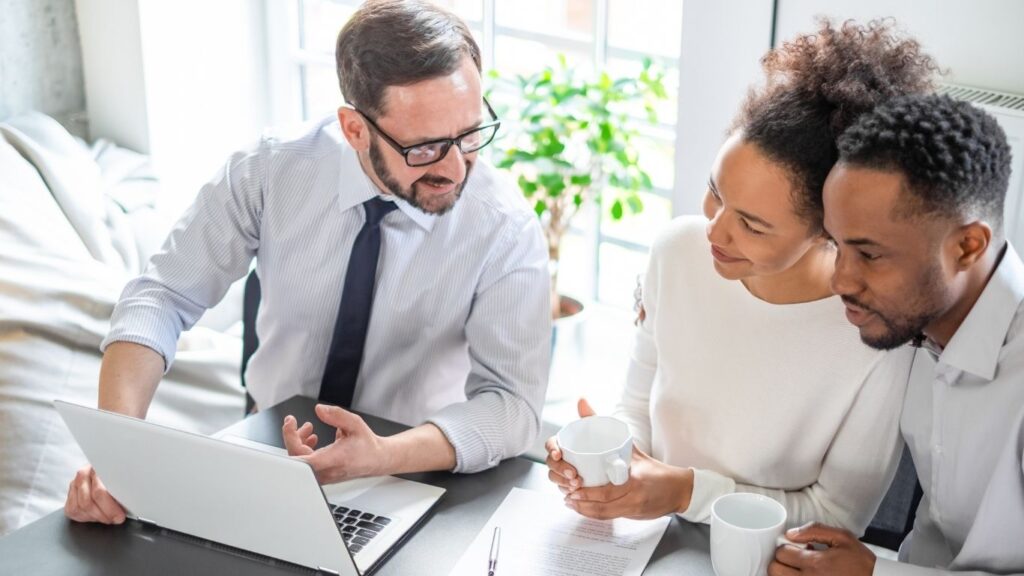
976	345
351	194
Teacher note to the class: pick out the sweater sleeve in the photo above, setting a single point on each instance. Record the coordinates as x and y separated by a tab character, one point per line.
634	405
858	467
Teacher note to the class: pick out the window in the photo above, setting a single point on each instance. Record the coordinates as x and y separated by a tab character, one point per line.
601	258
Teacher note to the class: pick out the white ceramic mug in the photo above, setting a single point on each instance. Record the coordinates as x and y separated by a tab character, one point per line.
599	447
746	529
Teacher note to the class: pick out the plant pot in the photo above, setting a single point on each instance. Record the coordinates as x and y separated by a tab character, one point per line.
568	340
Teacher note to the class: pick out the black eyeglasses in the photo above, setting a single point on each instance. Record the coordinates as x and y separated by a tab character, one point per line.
426	153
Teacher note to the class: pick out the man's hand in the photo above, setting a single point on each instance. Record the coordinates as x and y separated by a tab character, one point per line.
129	376
845	555
89	501
654	489
355	452
560	472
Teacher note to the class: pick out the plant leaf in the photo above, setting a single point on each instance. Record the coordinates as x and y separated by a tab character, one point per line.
617	210
539	207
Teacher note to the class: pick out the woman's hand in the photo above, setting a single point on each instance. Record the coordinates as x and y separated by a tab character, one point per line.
560	472
654	489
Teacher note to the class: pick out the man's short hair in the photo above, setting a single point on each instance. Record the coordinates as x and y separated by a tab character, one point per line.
954	156
397	43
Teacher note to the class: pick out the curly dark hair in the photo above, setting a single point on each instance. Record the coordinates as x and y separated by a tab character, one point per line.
816	85
954	156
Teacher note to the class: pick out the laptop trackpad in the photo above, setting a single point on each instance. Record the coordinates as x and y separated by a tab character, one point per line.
391	492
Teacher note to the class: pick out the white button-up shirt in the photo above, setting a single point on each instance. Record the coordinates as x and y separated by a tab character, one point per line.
963	420
460	331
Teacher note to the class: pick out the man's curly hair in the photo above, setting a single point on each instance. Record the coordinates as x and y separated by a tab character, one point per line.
954	156
816	85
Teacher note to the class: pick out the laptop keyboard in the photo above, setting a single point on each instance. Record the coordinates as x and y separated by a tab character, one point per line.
358	527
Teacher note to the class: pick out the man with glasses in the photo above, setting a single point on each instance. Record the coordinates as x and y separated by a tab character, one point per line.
399	276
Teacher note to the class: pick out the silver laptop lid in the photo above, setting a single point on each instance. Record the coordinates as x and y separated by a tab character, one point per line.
234	495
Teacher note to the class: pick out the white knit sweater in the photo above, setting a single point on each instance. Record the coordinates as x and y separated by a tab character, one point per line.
783	400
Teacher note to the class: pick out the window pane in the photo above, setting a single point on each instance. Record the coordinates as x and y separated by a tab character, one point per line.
563	18
655	29
323	19
620	268
469	10
515	56
321	23
667	108
657	158
642	227
323	96
573	274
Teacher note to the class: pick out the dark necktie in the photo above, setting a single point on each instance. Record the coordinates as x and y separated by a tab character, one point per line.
346	353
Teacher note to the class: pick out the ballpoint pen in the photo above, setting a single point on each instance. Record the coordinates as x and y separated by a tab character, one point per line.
492	561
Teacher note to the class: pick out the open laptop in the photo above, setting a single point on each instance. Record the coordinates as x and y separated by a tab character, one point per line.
245	496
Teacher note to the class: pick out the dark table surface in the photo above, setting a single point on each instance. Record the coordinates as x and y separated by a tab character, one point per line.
55	545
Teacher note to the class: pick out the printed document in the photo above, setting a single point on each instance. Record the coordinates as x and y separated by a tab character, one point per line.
540	536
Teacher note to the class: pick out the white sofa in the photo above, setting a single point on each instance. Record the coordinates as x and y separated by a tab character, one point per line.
76	223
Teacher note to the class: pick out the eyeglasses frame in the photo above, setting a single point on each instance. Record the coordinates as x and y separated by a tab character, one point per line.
456	141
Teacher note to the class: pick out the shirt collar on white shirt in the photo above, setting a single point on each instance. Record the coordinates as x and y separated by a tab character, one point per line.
977	342
352	196
425	221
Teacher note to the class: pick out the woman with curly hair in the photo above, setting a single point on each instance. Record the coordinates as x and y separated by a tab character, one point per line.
745	376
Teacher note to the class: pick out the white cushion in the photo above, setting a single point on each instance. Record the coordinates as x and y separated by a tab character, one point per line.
73	178
56	298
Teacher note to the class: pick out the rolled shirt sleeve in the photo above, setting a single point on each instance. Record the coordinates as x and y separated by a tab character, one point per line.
209	248
509	336
634	405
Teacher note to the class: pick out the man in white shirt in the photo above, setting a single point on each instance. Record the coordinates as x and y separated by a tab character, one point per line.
915	206
383	209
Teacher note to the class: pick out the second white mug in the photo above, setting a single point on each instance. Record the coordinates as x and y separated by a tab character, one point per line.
745	531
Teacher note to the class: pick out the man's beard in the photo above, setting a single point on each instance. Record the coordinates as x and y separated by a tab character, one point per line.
903	327
409	194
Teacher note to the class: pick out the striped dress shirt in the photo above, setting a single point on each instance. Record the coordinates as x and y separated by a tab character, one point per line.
460	331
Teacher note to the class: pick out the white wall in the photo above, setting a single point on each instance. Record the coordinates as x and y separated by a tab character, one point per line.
722	43
112	59
184	81
981	42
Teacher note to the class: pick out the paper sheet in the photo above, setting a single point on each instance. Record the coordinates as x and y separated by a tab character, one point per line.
541	537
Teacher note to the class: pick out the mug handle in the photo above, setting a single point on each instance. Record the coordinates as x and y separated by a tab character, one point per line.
783	541
617	470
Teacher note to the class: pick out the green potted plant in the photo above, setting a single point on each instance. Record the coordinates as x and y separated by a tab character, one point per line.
572	142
